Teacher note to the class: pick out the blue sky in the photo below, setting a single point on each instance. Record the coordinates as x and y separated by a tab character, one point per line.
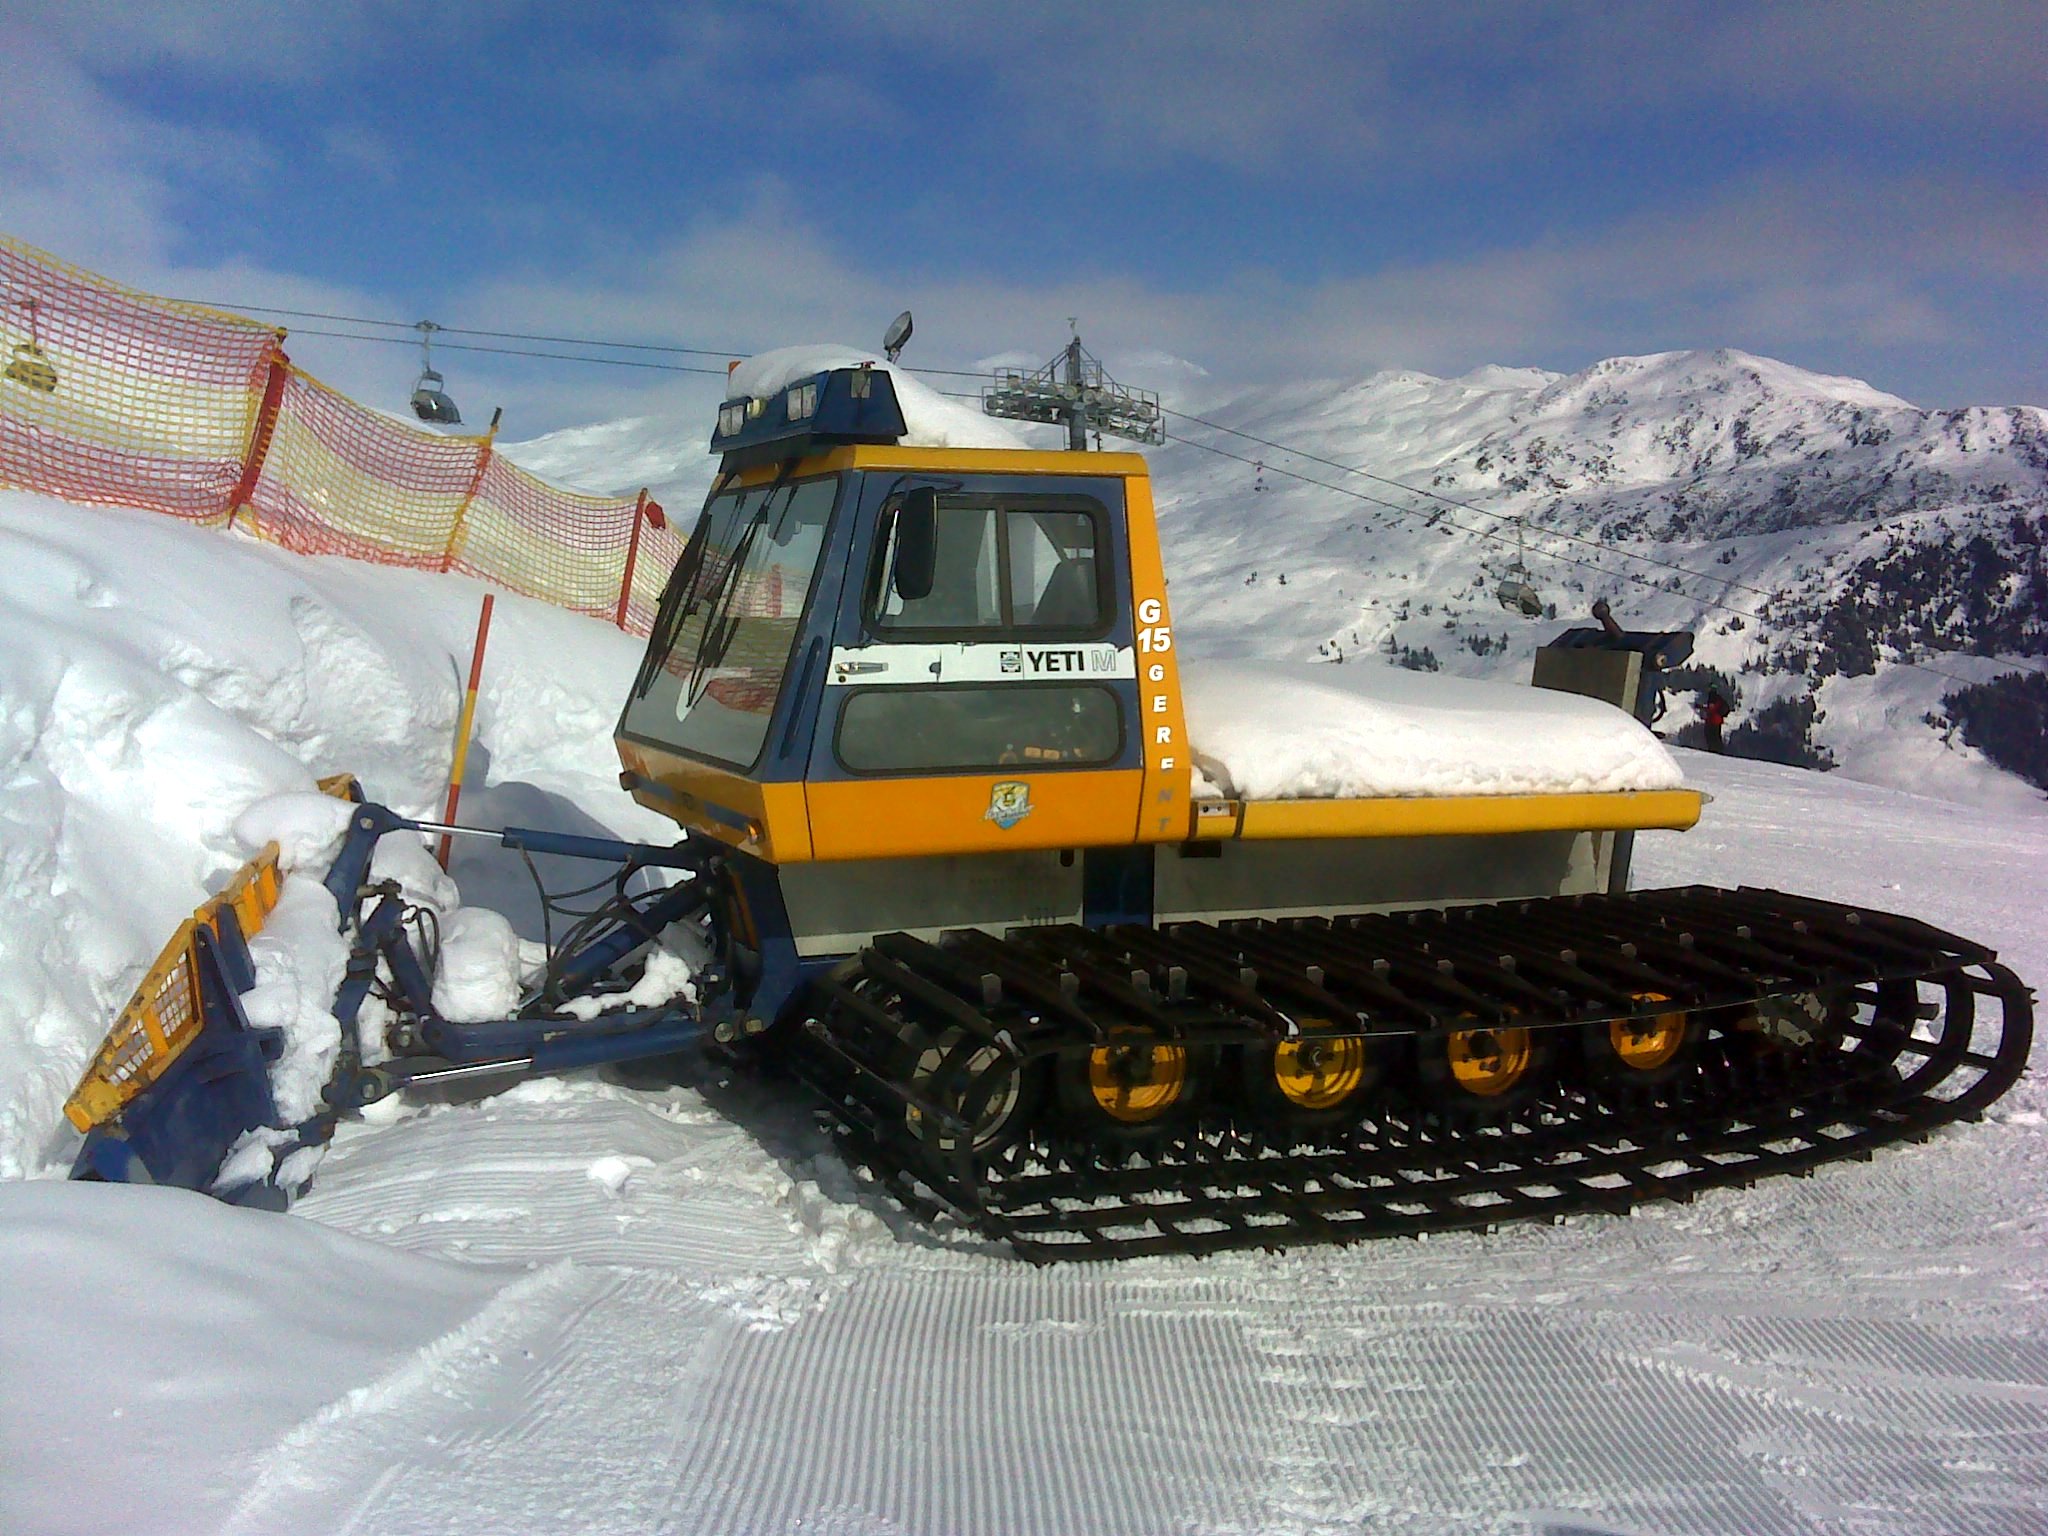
1255	192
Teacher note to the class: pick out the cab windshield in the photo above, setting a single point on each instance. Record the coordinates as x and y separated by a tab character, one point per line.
728	622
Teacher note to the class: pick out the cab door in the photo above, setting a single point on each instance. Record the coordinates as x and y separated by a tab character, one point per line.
989	701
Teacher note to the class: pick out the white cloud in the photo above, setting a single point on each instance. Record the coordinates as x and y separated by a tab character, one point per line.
1917	274
1792	267
1387	88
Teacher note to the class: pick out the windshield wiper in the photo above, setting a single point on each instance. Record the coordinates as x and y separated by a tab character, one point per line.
676	603
720	624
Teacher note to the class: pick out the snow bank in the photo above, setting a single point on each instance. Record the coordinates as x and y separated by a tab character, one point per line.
1276	732
934	421
300	958
157	680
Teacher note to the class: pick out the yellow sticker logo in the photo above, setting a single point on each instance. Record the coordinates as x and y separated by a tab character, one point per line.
1008	803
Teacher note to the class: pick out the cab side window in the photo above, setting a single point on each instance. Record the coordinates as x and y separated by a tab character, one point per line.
1030	725
996	569
1052	570
966	577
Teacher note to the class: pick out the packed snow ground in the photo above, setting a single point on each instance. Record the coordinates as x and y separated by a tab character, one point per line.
580	1306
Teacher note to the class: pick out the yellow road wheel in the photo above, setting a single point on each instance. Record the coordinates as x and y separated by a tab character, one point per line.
1318	1074
1643	1045
1137	1083
1132	1082
1489	1062
1318	1078
1643	1050
1483	1072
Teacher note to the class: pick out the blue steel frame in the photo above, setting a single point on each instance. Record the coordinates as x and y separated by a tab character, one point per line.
182	1126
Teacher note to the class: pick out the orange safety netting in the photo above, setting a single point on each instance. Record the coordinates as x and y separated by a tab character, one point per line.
115	397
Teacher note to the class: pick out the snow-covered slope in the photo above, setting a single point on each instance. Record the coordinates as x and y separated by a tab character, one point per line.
1811	530
1685	445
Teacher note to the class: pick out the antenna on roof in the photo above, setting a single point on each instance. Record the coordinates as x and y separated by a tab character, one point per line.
1072	389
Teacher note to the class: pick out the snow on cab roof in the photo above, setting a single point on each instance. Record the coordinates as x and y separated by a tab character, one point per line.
1318	731
934	420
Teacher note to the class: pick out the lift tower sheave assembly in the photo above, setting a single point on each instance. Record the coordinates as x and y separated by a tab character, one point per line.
1073	389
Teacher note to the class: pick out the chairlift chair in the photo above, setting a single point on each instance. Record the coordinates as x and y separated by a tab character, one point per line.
430	400
29	365
1516	592
1521	597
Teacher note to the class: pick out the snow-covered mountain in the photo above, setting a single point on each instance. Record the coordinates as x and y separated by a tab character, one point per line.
1700	445
1815	533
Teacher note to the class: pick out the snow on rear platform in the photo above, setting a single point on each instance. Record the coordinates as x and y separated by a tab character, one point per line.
1325	732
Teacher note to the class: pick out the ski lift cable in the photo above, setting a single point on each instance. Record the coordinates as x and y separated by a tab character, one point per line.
565	357
457	330
1726	584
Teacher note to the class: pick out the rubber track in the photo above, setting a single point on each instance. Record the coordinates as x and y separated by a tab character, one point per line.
1911	1048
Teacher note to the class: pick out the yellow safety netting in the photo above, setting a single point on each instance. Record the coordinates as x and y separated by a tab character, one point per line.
116	397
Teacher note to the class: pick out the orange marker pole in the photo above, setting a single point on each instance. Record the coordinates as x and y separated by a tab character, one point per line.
476	673
632	557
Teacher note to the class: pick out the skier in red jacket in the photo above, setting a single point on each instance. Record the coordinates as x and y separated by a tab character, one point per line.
1714	715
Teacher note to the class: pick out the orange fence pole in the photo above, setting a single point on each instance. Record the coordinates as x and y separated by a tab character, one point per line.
266	427
476	478
649	511
476	672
